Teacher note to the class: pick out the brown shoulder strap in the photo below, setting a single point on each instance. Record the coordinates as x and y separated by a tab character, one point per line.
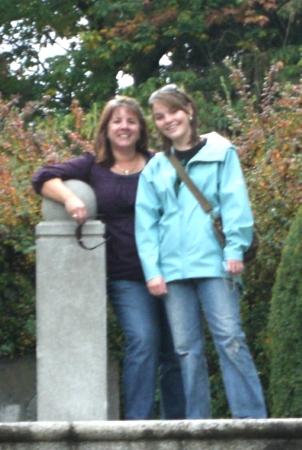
207	207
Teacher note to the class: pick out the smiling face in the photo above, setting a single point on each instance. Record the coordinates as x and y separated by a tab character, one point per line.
173	123
123	130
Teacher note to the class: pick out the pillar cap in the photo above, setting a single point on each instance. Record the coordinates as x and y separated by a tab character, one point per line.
52	210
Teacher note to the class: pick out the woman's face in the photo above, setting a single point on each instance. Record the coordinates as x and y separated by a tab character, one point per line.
173	123
123	130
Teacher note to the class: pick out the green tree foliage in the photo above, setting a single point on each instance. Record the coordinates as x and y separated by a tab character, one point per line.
284	330
133	35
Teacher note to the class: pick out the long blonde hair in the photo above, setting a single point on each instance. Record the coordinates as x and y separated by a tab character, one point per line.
102	146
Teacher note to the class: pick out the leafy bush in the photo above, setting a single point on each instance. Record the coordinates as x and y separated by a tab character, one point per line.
30	137
269	140
284	330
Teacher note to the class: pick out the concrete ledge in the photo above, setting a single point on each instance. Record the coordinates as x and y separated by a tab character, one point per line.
270	434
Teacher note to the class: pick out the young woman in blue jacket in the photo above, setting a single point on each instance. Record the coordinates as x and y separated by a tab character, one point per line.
183	260
121	152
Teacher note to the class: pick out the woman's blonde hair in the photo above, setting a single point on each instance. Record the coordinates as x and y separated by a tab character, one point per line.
102	146
172	96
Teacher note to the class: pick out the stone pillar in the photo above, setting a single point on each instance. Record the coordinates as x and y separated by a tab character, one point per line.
71	316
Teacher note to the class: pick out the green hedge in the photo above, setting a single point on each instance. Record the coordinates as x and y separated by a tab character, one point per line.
285	328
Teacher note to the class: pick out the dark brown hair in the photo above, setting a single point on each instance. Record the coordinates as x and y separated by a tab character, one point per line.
102	146
171	95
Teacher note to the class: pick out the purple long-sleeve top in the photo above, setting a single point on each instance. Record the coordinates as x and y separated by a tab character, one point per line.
116	204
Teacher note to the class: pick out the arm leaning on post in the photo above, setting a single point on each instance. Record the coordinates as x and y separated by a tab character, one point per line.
56	190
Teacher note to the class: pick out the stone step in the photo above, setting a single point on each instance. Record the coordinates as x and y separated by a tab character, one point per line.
249	434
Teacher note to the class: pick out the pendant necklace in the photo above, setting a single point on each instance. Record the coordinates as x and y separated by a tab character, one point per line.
127	171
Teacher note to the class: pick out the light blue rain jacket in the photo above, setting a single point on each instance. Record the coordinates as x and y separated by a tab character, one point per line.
174	235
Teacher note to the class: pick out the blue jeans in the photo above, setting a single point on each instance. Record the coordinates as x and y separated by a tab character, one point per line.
217	299
148	346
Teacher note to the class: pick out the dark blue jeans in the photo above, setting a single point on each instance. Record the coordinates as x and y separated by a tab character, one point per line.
148	347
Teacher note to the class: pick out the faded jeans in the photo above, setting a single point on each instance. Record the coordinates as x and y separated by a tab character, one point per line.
148	347
218	300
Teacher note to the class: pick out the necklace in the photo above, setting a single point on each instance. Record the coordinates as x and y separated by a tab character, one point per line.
127	171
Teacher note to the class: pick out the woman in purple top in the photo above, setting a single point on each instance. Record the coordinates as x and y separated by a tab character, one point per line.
121	152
